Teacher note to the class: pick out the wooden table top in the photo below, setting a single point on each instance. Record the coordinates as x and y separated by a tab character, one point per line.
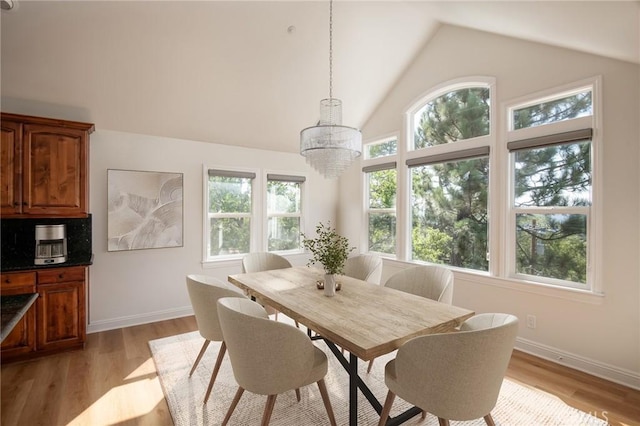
366	319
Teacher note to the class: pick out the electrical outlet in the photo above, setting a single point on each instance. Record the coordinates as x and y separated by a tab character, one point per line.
531	321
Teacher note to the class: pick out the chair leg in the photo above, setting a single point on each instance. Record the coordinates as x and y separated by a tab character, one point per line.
298	394
216	368
268	409
423	415
370	365
384	414
199	357
443	422
232	407
327	402
489	420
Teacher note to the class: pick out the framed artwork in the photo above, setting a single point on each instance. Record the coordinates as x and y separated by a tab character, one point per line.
145	210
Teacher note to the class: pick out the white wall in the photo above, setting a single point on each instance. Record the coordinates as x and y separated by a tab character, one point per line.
133	287
597	334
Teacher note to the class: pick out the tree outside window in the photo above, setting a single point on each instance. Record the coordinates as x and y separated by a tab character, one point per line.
552	183
229	212
449	195
382	210
284	212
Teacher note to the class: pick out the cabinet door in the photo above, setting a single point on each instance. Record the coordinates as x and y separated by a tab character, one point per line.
55	171
22	339
10	168
61	310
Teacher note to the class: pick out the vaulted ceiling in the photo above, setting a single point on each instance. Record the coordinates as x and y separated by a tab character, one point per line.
253	73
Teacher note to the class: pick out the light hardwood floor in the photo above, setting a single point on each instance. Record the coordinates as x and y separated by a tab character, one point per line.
113	381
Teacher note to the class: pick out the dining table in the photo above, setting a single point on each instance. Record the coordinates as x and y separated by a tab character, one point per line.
365	319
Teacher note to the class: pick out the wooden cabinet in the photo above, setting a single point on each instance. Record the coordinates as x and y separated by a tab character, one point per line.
45	164
57	321
61	320
21	342
10	168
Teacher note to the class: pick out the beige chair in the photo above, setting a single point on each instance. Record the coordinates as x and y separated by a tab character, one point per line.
204	292
269	357
264	261
430	281
455	376
365	267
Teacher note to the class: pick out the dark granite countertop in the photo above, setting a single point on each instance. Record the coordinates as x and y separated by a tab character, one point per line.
29	266
12	309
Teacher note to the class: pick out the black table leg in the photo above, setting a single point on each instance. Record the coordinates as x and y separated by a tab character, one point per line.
353	389
355	383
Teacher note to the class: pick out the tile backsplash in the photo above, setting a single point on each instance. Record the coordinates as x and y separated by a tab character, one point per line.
17	242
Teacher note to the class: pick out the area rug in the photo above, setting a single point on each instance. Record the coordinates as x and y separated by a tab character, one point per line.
174	356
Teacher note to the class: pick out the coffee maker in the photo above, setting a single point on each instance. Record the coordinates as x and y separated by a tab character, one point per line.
51	244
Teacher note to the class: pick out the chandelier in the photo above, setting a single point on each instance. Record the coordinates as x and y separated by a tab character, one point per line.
329	147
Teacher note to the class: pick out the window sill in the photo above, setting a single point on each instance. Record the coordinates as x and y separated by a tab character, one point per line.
483	278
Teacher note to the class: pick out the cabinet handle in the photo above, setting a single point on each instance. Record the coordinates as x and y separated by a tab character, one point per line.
7	280
61	276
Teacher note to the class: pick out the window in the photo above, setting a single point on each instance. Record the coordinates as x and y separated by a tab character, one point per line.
449	178
449	214
229	213
381	207
456	115
382	148
284	212
551	181
380	181
440	185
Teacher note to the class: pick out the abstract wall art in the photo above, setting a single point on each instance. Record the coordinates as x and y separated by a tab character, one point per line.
145	210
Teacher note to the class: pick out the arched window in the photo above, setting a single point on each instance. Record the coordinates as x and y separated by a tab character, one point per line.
448	171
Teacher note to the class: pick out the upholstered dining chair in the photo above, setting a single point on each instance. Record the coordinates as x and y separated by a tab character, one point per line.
265	261
365	267
430	281
457	375
204	292
269	357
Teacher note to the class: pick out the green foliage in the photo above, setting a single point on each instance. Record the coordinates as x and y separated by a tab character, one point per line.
557	175
382	232
286	235
383	149
229	195
552	246
458	115
552	111
449	200
328	248
431	245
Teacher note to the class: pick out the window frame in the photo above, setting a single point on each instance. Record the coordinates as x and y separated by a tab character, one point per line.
367	164
449	150
501	236
302	179
593	213
255	225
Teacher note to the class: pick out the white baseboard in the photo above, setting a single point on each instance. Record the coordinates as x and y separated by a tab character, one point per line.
595	368
128	321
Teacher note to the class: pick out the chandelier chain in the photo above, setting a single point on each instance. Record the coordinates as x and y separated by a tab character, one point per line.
331	49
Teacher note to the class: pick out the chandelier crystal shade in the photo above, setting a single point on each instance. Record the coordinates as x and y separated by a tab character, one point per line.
329	147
